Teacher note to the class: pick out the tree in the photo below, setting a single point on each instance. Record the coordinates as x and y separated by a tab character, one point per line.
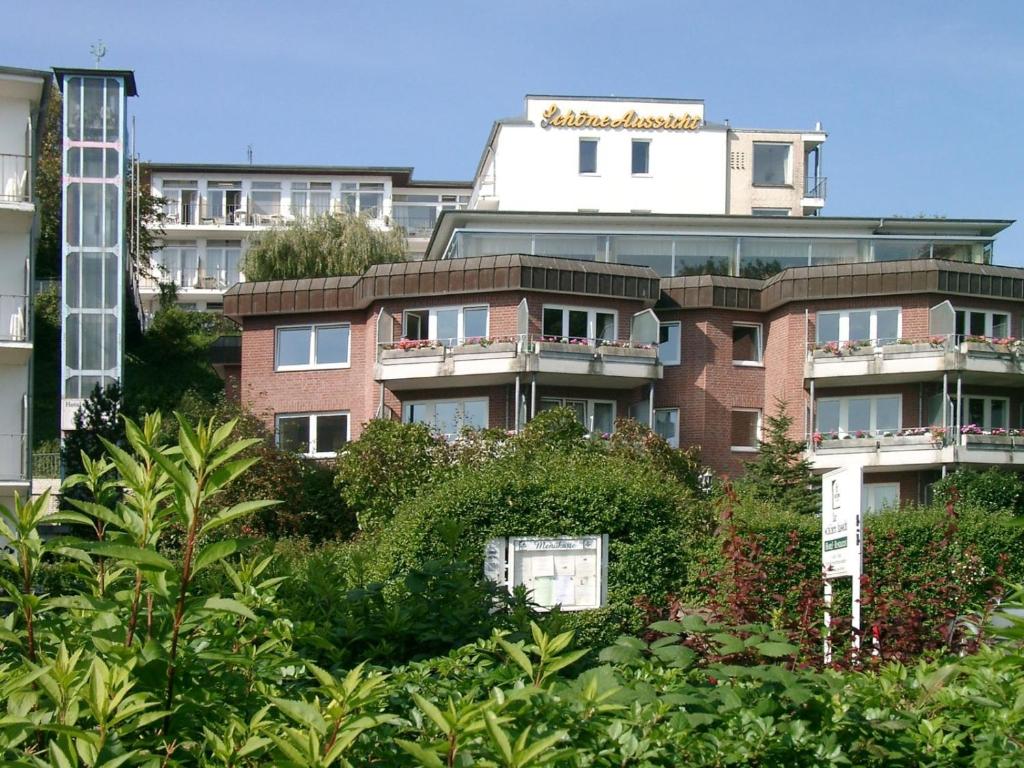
781	472
321	246
98	419
47	188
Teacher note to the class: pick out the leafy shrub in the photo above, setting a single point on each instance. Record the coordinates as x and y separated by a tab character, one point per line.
995	489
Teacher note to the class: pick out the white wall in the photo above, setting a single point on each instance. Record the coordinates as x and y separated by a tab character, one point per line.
537	168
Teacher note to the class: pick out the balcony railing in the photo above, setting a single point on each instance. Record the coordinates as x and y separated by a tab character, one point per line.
15	178
13	318
519	343
46	465
816	186
12	457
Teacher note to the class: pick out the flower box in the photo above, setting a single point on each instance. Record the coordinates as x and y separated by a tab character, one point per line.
843	353
906	350
992	441
880	442
563	348
987	348
401	355
610	350
495	347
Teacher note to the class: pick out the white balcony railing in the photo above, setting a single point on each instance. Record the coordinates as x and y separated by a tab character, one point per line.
12	457
13	318
15	179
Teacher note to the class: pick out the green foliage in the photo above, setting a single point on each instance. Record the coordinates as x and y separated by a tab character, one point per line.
47	190
321	246
995	489
45	366
97	421
781	473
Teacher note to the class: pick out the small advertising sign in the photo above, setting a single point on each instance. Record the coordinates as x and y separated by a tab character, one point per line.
840	523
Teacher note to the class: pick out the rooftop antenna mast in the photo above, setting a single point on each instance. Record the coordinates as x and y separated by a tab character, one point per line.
98	50
248	153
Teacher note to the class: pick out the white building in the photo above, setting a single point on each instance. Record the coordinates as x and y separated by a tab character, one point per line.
23	94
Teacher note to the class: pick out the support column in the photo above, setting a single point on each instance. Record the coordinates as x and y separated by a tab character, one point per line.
516	404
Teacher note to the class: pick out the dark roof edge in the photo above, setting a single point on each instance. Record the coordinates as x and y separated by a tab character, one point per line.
127	74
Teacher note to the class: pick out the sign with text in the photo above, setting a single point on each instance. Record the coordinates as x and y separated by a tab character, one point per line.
567	571
554	117
841	523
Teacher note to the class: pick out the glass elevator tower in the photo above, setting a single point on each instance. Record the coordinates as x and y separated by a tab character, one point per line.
93	248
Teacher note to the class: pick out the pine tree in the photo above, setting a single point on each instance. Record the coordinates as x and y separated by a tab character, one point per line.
781	473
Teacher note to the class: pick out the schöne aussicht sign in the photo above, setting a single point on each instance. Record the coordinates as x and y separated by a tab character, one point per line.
554	117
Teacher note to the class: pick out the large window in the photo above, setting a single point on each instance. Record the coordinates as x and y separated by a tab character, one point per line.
181	201
669	348
882	326
363	198
666	425
746	344
449	325
876	497
266	201
577	324
597	416
746	429
222	264
447	418
772	164
859	416
641	157
224	202
313	434
588	155
178	264
311	198
301	347
987	412
975	322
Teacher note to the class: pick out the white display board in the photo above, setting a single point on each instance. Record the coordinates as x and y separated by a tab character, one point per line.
567	571
841	492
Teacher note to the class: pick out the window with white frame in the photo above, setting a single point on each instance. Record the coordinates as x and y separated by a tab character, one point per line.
978	322
876	497
772	164
578	324
669	343
597	416
881	326
266	200
177	264
180	201
300	347
312	434
746	429
223	201
363	198
447	418
449	325
221	268
641	157
987	413
588	155
311	198
746	344
666	425
868	416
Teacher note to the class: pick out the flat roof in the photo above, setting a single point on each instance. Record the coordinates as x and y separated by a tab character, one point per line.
650	99
127	74
401	176
736	224
20	72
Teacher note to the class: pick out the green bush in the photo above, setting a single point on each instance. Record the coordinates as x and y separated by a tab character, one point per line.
995	489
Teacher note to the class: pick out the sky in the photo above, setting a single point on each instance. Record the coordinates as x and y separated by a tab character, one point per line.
921	99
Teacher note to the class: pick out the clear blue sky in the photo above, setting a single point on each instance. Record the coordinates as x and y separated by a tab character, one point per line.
922	100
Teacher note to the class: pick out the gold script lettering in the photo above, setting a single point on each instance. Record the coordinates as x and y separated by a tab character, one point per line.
554	117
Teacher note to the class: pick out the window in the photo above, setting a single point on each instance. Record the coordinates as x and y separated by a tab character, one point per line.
972	322
312	434
666	425
641	157
987	412
669	352
568	323
870	416
221	267
181	201
447	418
449	325
746	344
746	429
178	264
597	416
769	211
771	164
363	198
588	155
879	496
312	346
311	198
266	200
882	326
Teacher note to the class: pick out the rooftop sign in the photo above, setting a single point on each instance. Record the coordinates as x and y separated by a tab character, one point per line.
554	117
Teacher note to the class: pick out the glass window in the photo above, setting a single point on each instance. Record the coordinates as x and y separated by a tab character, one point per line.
552	323
769	211
746	343
447	326
331	432
859	418
604	418
641	156
887	328
448	417
475	414
771	164
899	250
828	416
666	425
988	413
887	414
881	326
475	322
827	327
872	416
746	429
316	346
588	155
669	337
293	346
880	496
860	325
332	344
266	198
293	433
981	323
604	326
313	434
569	323
417	325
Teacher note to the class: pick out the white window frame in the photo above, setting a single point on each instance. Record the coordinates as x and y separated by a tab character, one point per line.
432	405
844	323
579	146
432	320
989	316
591	320
640	174
759	363
986	421
348	187
678	347
869	496
674	440
312	365
760	426
844	412
589	403
313	453
788	181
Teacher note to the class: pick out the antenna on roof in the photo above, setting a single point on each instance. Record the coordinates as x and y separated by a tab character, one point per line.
248	153
98	50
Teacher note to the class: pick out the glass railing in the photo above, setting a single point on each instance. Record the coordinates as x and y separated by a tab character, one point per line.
15	179
13	317
12	456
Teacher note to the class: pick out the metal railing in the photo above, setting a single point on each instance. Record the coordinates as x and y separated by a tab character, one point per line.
46	465
939	343
13	317
816	186
15	178
524	343
12	457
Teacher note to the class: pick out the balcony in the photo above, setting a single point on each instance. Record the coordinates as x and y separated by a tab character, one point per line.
15	346
815	192
15	179
428	364
912	448
13	464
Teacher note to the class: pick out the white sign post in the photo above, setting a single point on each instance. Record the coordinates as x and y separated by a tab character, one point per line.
841	552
